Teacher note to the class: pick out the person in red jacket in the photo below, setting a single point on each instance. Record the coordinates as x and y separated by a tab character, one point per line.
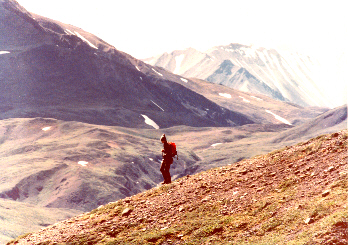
167	160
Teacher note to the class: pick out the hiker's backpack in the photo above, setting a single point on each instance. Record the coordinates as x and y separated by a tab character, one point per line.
173	150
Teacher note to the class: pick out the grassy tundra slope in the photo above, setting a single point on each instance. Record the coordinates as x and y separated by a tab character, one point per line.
53	165
295	195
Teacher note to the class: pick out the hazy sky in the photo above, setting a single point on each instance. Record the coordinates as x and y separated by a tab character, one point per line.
145	28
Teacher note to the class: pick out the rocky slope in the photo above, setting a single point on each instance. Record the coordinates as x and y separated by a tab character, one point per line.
296	195
54	169
286	76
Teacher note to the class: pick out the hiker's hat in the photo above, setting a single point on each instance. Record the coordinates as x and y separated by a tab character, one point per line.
163	137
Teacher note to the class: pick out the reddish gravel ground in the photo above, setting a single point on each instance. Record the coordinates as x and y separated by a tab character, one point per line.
296	195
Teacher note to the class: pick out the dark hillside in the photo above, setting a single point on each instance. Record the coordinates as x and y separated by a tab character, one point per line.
59	71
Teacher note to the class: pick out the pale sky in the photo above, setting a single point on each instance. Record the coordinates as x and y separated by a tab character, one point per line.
145	28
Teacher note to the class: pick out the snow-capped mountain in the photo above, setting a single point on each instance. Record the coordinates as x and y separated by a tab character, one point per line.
286	76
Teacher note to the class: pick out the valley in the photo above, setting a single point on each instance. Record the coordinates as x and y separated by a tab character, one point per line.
80	123
54	165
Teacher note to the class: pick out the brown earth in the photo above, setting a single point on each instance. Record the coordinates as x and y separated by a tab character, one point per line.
296	195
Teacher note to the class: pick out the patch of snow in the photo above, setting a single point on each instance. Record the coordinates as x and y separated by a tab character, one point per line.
46	128
279	118
137	68
281	70
244	99
237	62
4	52
216	144
83	163
178	61
211	58
268	57
67	31
264	59
184	80
309	96
157	105
157	72
84	39
267	75
212	50
256	98
225	95
151	159
249	52
141	78
245	87
291	65
308	65
150	122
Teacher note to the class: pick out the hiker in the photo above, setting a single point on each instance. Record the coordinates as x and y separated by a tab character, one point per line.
167	160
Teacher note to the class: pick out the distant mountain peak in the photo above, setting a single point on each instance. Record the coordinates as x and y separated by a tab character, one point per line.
238	46
290	75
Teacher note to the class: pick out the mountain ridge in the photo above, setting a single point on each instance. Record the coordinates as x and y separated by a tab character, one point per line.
288	76
66	73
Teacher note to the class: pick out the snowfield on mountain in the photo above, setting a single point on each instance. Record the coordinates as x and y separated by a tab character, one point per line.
283	75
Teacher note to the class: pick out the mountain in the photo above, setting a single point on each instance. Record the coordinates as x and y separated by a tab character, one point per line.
296	195
285	76
54	70
80	122
332	120
259	108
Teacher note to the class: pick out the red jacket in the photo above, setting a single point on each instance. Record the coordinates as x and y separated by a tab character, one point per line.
167	153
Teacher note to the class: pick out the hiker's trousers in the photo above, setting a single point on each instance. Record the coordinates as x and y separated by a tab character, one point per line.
165	166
